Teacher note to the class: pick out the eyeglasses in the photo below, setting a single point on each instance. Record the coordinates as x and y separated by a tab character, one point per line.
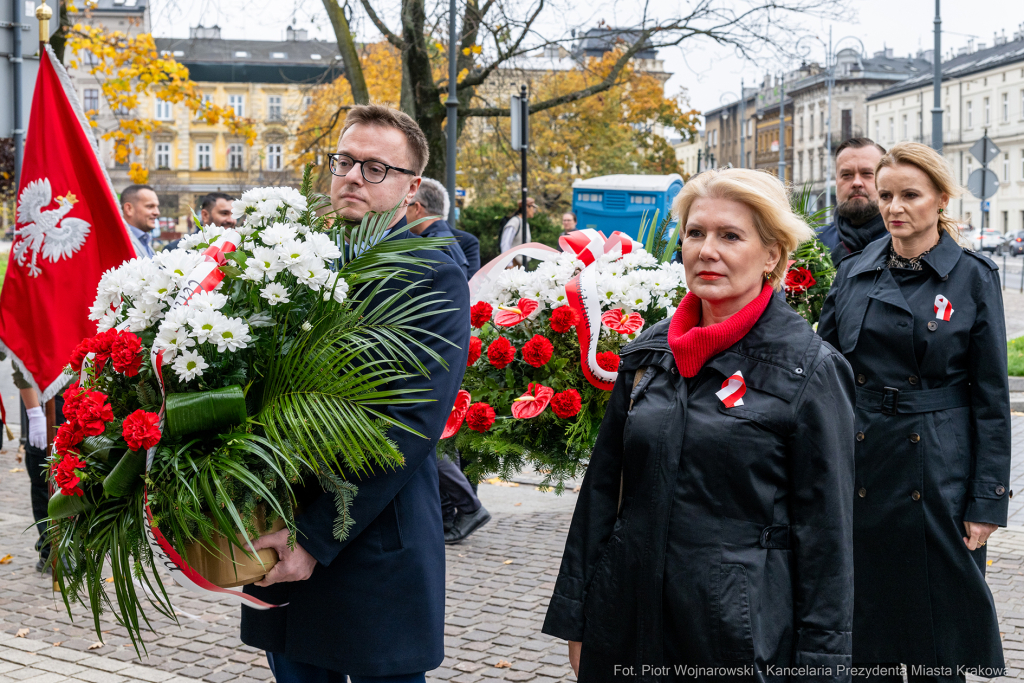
372	171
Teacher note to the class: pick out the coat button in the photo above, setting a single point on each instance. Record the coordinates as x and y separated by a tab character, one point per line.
861	379
860	436
944	277
916	495
863	492
1000	490
674	370
915	437
912	380
932	325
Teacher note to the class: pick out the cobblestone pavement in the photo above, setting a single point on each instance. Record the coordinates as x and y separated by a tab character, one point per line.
499	582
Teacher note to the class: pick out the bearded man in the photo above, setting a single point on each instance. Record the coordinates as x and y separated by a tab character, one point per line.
857	221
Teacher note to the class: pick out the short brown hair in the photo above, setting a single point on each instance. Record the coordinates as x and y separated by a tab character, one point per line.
381	115
857	143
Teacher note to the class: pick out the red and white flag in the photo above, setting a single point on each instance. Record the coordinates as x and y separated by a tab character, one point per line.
68	231
943	309
732	390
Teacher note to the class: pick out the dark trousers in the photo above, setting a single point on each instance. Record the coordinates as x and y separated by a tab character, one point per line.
39	490
456	491
287	670
892	673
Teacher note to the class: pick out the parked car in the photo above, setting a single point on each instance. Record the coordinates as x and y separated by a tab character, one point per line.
1015	243
987	240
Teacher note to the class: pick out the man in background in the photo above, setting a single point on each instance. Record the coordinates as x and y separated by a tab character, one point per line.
430	200
214	209
141	209
568	221
857	221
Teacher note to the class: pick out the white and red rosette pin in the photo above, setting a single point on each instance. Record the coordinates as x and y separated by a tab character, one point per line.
943	308
733	388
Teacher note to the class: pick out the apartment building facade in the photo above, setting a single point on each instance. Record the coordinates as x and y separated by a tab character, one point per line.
982	90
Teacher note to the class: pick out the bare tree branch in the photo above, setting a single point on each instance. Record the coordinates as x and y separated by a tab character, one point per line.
349	56
479	77
382	27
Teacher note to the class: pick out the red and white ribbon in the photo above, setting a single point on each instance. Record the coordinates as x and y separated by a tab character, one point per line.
581	291
731	393
943	308
204	278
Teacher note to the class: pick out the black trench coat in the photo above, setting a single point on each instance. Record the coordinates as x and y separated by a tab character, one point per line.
933	450
734	542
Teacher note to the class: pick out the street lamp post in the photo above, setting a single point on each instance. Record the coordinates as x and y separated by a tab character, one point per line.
782	128
937	84
739	120
743	125
452	103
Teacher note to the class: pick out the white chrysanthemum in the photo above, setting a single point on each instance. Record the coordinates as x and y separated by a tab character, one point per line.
206	325
306	327
189	365
208	301
278	234
178	263
106	322
323	246
265	261
313	275
336	287
190	241
177	316
172	339
275	293
135	274
294	253
234	335
160	288
637	299
555	296
143	314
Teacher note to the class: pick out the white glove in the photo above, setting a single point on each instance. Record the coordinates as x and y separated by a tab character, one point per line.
36	428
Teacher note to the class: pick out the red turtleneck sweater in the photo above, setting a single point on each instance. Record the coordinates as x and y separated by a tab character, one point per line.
692	346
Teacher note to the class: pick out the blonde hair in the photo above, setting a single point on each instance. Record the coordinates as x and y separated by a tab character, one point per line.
933	165
766	197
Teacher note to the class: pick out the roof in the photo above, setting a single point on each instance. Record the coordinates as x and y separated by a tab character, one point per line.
596	41
1010	52
254	61
638	183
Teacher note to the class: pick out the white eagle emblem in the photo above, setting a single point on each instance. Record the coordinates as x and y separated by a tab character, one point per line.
46	230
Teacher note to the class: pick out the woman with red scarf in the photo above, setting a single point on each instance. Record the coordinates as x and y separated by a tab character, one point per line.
712	537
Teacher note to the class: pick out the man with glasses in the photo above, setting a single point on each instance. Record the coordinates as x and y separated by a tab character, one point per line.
514	233
372	607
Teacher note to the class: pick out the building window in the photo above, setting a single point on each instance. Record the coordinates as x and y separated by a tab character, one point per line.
163	155
91	99
307	101
801	129
235	158
892	129
878	130
1006	167
163	111
1006	221
988	113
1006	107
274	107
920	127
274	161
906	129
821	124
810	130
970	114
204	156
237	104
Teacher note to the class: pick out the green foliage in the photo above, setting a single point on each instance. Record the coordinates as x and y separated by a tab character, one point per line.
1015	357
484	220
812	256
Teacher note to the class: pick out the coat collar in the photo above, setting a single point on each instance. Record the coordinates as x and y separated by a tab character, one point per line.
940	259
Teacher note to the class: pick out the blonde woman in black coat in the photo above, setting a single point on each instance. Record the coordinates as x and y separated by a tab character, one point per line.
920	319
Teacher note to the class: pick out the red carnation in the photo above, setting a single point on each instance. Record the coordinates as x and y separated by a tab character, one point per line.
93	413
537	351
501	352
799	280
79	354
101	345
480	417
69	435
563	319
475	349
480	313
566	404
141	430
72	397
65	477
126	354
608	361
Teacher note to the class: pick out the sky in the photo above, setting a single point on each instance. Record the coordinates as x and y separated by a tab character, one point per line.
709	73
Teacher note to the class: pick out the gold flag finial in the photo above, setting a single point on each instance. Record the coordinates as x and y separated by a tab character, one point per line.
43	14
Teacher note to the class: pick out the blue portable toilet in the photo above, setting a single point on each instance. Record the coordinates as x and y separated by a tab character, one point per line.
618	202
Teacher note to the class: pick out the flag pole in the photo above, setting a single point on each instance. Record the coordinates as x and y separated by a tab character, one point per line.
43	14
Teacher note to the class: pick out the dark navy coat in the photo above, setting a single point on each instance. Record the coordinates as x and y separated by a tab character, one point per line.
374	605
470	247
440	228
733	545
933	450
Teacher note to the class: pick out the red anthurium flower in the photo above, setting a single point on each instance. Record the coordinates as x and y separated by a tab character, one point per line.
513	315
458	414
624	323
533	402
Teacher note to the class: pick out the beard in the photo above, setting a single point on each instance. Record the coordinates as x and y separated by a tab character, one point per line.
857	212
